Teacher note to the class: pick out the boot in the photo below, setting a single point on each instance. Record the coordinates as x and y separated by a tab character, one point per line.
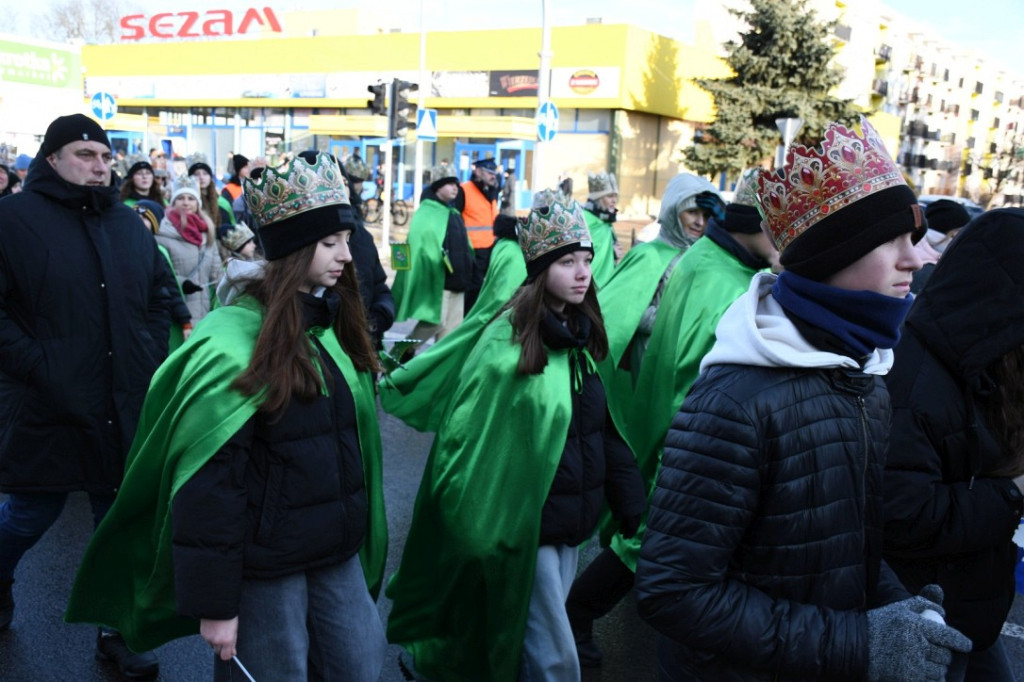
6	604
110	646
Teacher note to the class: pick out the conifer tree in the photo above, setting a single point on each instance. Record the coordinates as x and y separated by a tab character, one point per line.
782	67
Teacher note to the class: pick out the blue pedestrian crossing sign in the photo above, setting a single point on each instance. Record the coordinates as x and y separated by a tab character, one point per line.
426	125
104	106
547	121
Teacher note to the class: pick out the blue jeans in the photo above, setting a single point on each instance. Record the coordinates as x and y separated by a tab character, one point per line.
549	649
25	517
319	624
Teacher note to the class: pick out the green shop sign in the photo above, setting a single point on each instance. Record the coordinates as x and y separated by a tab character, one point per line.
35	65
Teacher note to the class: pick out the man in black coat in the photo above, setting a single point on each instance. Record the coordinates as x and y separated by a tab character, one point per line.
83	326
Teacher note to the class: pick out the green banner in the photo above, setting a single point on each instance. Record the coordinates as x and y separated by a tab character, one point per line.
20	63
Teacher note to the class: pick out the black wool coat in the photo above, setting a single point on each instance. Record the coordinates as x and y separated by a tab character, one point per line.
83	326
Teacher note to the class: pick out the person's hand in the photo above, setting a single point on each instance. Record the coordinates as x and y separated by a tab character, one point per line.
222	635
909	642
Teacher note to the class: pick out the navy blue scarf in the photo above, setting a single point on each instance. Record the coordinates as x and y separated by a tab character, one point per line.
860	320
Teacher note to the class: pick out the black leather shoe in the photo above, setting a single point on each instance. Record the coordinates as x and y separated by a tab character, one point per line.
586	649
6	604
110	646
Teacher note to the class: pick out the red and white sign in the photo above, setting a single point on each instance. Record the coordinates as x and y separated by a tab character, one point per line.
209	24
584	81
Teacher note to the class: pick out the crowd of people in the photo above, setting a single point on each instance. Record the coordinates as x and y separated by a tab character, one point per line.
795	420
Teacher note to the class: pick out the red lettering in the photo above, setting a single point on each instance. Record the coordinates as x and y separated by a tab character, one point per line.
157	25
190	20
215	22
275	25
131	30
224	20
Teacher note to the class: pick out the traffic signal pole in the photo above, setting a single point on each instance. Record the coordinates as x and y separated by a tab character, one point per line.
417	176
543	94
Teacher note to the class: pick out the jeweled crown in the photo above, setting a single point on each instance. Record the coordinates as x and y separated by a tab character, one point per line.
816	183
554	221
300	187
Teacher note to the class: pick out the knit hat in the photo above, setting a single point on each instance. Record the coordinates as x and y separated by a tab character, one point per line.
355	168
440	176
600	185
22	162
741	216
506	227
828	208
946	215
299	205
151	213
65	129
236	236
238	162
185	185
197	161
555	226
138	162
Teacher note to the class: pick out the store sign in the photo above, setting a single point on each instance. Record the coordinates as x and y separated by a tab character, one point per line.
584	81
513	84
35	65
211	23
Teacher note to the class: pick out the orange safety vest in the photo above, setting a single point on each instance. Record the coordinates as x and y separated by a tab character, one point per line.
479	215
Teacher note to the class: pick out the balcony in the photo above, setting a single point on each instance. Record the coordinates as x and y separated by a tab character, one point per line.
880	86
883	53
843	32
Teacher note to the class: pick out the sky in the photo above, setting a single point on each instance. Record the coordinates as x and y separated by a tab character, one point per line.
995	30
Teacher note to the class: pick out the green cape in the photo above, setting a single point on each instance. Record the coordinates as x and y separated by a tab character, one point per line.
413	392
463	587
226	205
602	234
418	290
126	579
702	286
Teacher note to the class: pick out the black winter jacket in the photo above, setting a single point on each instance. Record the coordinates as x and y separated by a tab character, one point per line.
83	326
764	537
949	518
282	496
596	463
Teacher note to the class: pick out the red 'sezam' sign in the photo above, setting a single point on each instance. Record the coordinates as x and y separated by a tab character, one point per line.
208	24
584	81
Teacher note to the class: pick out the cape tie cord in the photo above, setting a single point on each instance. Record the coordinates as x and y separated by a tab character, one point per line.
577	369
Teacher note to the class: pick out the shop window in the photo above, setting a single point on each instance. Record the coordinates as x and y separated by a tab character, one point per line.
593	120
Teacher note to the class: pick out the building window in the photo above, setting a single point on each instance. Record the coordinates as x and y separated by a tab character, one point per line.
593	120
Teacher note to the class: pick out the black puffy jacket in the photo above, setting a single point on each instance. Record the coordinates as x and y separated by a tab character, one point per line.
949	518
596	463
83	326
373	281
763	544
281	496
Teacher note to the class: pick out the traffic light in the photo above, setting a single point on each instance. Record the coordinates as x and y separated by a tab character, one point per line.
377	105
402	114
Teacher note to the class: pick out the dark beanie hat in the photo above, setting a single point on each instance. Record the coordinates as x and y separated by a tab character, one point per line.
65	129
151	212
200	165
945	215
137	166
238	162
299	204
846	236
505	227
742	219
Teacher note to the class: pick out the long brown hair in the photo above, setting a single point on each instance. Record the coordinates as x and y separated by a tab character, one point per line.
208	199
155	192
1005	411
530	306
282	363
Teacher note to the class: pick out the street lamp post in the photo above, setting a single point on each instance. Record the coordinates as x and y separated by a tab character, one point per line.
543	87
789	127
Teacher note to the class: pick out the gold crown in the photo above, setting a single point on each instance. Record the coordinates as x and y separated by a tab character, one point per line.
815	184
300	187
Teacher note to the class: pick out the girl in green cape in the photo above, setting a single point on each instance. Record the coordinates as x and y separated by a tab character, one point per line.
252	504
523	462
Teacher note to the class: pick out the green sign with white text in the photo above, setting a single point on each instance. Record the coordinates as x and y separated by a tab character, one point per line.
34	65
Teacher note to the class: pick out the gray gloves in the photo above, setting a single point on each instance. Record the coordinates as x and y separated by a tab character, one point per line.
906	646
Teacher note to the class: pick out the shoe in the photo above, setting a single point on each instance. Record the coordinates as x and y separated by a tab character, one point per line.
586	649
110	646
6	604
